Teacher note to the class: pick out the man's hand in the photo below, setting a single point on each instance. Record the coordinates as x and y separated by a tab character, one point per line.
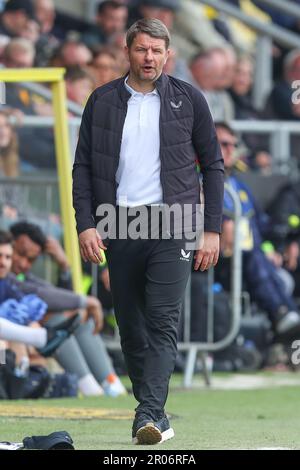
208	255
90	243
55	250
94	311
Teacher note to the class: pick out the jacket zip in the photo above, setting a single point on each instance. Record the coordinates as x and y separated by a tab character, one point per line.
118	155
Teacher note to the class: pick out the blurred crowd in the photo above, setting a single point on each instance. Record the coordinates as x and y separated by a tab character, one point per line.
218	58
216	54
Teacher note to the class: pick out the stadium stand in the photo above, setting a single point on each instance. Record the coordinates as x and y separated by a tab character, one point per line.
223	60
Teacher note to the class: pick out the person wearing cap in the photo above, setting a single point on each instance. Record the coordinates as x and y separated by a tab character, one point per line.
16	18
139	138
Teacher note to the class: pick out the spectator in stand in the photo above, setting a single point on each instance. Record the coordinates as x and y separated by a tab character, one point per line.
10	195
16	18
241	88
37	152
45	14
48	42
230	66
208	70
71	53
111	19
105	66
19	53
285	214
83	354
177	67
163	10
259	157
79	85
32	32
14	314
262	277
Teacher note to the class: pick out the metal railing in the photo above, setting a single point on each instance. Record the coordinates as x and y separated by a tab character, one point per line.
279	133
287	7
281	35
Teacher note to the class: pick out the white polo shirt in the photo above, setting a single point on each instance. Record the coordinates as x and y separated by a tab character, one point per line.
138	174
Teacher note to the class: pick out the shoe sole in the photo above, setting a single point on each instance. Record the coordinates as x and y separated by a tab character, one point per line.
150	435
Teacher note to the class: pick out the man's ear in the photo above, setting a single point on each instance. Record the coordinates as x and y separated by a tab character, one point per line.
126	50
166	59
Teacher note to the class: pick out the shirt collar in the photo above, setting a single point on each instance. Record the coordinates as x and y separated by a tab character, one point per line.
137	93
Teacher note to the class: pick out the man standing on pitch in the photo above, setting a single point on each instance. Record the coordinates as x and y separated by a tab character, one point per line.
139	139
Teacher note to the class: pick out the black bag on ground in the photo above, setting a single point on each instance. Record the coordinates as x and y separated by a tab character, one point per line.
59	440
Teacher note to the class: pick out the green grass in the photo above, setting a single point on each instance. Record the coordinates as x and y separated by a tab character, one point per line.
203	419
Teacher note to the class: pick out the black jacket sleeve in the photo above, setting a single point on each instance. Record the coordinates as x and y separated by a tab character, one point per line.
211	163
82	172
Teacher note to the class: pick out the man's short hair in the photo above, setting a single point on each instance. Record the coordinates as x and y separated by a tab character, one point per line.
5	238
34	232
224	125
153	27
114	4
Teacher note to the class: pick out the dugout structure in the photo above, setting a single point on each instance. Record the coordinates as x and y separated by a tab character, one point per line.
55	77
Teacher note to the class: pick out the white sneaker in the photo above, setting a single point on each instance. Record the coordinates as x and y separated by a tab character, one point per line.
113	386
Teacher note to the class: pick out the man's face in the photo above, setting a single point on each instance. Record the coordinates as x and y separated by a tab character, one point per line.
228	145
45	13
147	57
20	60
24	254
20	21
113	20
6	252
105	68
76	54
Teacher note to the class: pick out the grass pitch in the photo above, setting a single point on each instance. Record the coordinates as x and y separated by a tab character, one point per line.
202	419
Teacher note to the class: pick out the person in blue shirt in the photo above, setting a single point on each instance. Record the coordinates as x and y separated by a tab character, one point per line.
260	275
18	310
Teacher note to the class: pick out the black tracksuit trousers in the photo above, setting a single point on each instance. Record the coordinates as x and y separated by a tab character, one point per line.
148	280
